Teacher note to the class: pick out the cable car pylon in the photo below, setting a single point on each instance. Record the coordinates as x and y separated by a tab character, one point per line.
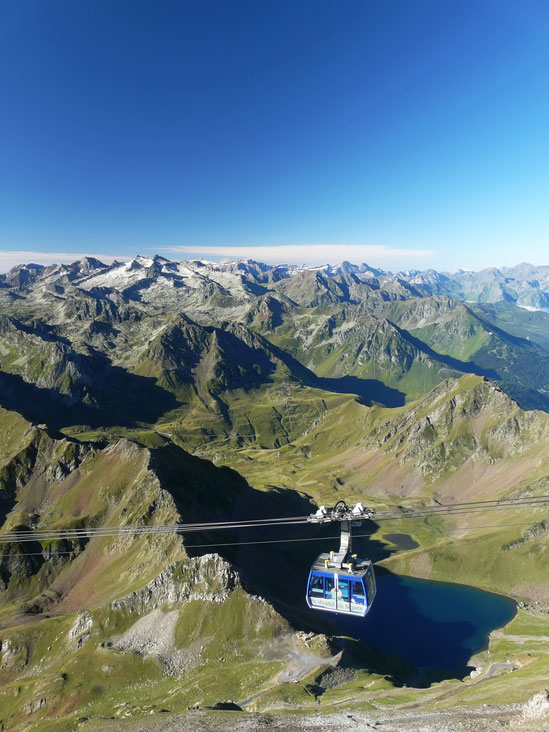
341	582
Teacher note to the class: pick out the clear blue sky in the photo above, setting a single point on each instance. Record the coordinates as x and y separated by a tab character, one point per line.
416	127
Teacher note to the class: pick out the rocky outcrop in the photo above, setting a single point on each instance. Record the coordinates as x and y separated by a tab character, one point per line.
535	531
83	623
537	707
208	578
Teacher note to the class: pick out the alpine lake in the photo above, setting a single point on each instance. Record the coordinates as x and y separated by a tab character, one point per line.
435	626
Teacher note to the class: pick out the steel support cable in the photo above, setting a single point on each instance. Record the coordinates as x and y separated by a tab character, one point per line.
479	504
129	529
431	514
285	541
409	513
491	500
463	507
169	527
420	512
30	536
116	533
63	533
472	509
201	526
53	535
119	532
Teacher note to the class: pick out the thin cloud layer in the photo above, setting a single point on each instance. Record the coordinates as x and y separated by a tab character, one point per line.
10	259
284	253
307	253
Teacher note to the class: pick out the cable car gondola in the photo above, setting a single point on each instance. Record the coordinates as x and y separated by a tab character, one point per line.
340	582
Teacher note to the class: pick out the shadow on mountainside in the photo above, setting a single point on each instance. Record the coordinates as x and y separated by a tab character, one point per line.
466	367
120	399
402	638
370	391
524	382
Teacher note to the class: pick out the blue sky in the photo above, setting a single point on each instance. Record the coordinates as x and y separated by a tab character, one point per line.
405	133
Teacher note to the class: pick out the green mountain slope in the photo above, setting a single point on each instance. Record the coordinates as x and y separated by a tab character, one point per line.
517	321
466	439
452	329
79	329
345	341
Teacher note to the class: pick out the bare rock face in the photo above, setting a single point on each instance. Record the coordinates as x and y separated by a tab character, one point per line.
208	578
453	425
80	630
13	652
537	707
150	635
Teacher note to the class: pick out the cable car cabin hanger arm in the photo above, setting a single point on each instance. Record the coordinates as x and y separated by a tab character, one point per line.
346	516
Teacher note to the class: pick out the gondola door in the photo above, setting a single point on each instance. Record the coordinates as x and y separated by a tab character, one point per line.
343	595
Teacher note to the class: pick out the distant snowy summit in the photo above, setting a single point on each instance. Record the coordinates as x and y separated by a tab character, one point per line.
524	285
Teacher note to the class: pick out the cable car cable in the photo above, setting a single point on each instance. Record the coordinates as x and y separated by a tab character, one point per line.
403	513
285	541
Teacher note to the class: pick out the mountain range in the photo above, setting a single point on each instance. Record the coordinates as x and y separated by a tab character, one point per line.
152	391
81	333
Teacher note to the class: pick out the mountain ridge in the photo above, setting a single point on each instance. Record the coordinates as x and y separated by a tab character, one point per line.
525	284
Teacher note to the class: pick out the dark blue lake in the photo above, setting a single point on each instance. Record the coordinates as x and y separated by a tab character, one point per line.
433	625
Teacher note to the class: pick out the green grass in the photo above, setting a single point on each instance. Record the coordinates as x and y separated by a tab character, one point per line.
239	620
517	572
